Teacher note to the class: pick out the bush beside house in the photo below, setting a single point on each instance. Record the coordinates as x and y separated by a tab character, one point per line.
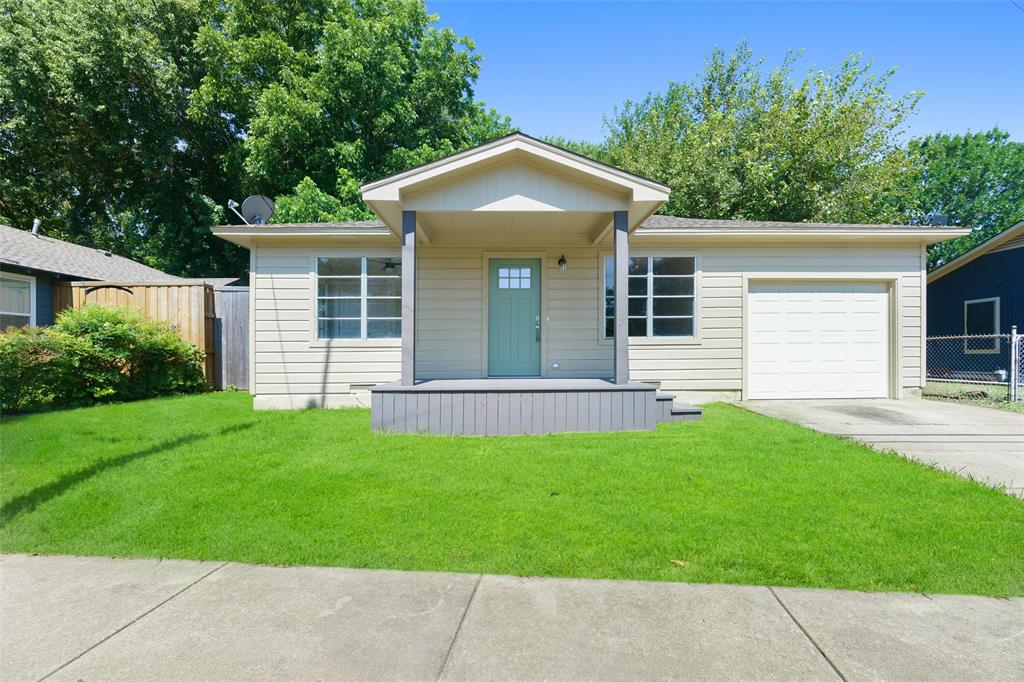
95	354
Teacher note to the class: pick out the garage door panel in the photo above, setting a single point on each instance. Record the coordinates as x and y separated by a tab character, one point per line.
818	340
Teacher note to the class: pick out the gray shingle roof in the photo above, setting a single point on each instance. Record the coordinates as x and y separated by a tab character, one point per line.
369	224
662	222
39	252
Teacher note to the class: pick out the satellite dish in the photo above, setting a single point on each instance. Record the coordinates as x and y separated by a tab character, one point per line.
257	209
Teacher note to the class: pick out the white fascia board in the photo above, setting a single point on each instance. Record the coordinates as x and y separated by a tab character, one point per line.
978	251
245	234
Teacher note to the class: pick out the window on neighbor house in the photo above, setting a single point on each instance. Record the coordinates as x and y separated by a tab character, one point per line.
981	317
16	301
358	297
662	296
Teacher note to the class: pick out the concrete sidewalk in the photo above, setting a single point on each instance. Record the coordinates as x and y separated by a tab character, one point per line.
82	618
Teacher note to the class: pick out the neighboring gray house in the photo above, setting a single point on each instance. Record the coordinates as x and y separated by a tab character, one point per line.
31	263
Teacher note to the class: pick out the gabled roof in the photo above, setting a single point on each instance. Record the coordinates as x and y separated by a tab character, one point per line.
39	252
1011	234
514	173
527	140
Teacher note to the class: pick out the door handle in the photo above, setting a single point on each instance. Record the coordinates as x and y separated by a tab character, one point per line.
536	324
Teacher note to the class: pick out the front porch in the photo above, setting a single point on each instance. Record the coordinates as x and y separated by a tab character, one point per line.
501	407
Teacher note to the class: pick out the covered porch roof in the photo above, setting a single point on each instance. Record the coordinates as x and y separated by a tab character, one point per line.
515	185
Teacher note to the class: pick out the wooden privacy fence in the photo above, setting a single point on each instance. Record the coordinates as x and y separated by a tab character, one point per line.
232	333
188	305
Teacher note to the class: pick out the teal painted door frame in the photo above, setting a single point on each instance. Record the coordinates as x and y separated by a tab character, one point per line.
513	317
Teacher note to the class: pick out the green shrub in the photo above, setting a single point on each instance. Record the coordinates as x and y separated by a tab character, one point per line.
95	354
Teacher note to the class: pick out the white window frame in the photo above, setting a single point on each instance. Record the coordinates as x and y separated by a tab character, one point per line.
650	338
996	341
31	296
363	296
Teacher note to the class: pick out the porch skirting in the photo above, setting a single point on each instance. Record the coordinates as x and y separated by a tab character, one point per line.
497	407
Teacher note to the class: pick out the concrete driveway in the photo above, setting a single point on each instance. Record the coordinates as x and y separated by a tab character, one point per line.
976	442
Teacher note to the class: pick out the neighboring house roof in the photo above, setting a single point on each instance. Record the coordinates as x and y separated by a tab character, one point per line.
39	252
1012	237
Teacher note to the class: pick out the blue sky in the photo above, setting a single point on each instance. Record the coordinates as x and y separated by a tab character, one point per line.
557	67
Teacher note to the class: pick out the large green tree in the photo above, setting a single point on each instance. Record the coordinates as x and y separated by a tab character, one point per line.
738	143
128	124
975	180
94	133
347	93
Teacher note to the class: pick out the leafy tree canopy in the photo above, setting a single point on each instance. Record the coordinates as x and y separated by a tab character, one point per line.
735	143
975	180
128	124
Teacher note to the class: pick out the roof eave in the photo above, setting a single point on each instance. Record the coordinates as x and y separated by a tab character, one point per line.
910	234
977	252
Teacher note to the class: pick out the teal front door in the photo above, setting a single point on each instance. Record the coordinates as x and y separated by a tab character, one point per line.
513	318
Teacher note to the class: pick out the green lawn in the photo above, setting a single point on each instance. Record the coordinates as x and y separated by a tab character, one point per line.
736	498
982	395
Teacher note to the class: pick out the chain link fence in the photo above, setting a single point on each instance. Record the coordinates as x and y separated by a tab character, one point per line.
982	367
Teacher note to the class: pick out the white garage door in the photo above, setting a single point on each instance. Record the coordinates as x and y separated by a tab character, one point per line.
818	340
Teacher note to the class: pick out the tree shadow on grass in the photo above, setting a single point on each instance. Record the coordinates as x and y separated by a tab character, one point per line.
23	504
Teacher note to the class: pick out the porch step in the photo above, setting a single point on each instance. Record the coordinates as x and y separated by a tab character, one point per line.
668	410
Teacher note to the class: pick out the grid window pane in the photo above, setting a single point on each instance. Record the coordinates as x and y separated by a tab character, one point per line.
662	291
338	329
333	267
665	265
359	298
637	286
383	307
339	307
384	267
383	286
673	326
383	329
340	287
673	286
673	307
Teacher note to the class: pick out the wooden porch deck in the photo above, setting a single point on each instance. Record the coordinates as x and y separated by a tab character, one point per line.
499	407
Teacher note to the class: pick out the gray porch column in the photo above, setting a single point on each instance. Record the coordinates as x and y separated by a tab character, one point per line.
621	235
408	298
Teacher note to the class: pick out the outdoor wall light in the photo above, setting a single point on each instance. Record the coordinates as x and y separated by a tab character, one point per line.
562	263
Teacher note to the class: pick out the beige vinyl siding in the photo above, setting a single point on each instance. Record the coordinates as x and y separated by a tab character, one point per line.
714	362
290	367
451	311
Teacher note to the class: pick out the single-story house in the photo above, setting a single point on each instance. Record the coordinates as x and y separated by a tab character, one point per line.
520	287
981	292
31	263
